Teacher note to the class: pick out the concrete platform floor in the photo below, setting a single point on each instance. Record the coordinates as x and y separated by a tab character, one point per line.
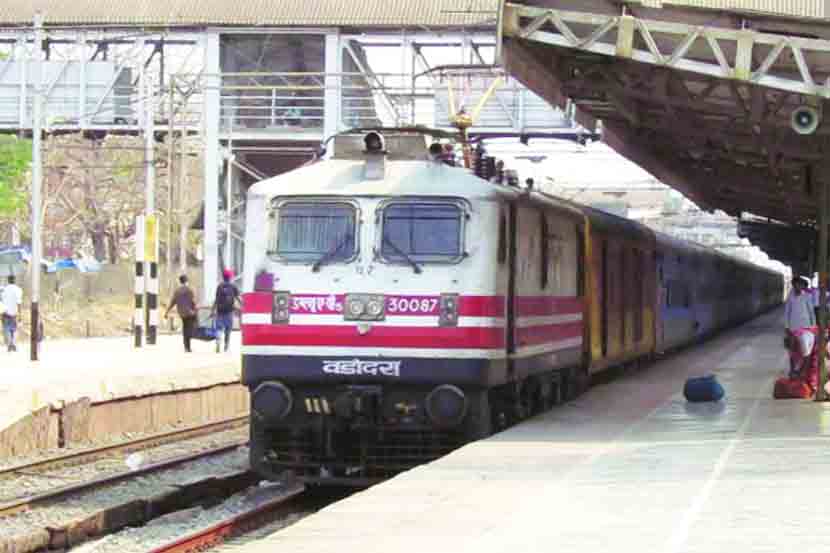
105	369
628	467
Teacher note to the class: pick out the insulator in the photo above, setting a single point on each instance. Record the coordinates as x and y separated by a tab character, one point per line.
490	167
486	174
479	165
500	171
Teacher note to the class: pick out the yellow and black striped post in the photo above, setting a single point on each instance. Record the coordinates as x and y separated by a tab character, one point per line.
138	316
151	271
152	303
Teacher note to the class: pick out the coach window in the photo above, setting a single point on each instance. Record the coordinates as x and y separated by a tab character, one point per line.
309	231
638	284
425	232
544	244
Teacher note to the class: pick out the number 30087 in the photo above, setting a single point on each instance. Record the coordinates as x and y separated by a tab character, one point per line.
411	305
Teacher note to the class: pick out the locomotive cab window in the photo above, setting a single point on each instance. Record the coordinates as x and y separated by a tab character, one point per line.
310	231
425	232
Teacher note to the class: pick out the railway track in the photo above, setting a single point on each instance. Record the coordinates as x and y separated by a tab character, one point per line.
41	468
221	495
285	503
93	454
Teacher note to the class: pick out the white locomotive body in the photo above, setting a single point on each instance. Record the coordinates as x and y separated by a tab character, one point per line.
377	328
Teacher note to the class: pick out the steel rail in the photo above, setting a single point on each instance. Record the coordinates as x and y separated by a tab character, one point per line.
52	496
88	455
234	526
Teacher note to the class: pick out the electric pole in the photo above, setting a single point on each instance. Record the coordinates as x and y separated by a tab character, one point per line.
37	184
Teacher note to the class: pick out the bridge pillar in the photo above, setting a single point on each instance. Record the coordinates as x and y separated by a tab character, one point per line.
333	93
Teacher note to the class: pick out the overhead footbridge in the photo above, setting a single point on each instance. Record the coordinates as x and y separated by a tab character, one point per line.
724	100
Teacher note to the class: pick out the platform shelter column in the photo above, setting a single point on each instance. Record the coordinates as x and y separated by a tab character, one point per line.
823	216
211	118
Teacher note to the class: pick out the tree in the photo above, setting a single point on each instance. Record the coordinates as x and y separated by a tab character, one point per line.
94	190
15	160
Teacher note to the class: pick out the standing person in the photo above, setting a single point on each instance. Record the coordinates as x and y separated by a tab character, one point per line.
227	298
185	301
799	319
10	302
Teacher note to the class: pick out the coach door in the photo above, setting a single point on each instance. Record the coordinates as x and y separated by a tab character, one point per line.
511	240
606	296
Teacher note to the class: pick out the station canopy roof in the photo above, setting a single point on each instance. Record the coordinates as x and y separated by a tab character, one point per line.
806	9
698	92
281	13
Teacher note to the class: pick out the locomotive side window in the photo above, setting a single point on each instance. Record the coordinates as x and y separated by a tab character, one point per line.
421	231
308	231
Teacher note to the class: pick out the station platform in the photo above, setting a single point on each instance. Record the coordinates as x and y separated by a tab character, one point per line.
629	466
47	403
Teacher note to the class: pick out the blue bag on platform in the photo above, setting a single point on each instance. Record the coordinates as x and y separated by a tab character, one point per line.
206	333
205	325
703	388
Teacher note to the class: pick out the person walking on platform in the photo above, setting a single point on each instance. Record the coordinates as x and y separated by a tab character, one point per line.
799	319
185	301
10	301
227	298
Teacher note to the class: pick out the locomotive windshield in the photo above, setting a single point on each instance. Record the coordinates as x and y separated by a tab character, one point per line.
315	231
420	231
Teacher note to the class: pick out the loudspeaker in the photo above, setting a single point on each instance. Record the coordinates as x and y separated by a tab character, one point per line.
805	120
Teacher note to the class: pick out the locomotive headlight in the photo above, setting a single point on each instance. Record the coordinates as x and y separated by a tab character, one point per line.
446	406
355	307
365	307
272	401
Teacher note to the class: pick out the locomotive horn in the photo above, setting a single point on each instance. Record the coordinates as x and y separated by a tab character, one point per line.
805	119
374	143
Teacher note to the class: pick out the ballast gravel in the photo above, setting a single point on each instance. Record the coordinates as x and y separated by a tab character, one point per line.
182	523
150	485
27	485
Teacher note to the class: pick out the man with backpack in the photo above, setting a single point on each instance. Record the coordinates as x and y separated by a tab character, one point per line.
227	298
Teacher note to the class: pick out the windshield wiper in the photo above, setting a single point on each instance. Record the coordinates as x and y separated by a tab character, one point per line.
328	256
415	266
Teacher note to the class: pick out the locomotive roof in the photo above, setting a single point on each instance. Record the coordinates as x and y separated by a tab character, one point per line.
341	177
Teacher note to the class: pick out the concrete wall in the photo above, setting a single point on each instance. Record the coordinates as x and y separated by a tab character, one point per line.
83	423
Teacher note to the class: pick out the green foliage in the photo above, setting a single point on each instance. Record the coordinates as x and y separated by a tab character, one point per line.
15	159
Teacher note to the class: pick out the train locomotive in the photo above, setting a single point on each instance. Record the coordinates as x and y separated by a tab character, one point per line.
396	306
